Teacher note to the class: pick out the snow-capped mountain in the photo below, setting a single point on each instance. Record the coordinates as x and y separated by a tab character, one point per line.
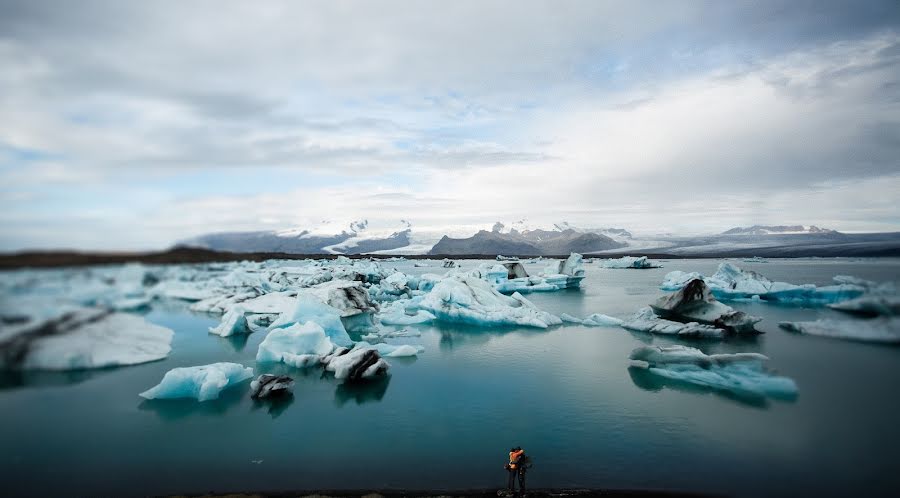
778	230
327	237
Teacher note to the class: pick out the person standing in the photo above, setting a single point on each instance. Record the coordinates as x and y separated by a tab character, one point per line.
513	468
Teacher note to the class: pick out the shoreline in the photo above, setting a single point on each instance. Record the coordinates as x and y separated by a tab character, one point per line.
187	255
464	493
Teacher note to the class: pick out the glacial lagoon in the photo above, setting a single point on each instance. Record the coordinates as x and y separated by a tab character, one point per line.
446	418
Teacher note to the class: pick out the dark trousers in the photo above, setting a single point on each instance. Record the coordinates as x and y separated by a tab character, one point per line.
511	484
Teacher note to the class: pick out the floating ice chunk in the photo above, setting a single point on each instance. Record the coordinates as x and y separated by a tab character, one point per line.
274	302
74	338
730	282
594	320
631	262
269	386
881	330
359	363
233	323
202	382
308	308
739	373
397	350
675	280
396	313
601	320
420	264
467	299
870	305
447	263
694	303
645	320
298	345
131	304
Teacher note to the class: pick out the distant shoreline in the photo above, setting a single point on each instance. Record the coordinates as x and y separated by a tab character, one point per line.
473	493
186	255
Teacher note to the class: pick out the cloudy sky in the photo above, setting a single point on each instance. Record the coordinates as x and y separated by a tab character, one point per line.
131	125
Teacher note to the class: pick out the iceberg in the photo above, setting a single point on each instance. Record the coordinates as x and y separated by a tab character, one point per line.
270	386
309	309
395	350
870	305
76	338
203	382
884	330
448	263
300	345
234	322
361	362
730	283
396	313
630	262
738	373
471	300
593	320
695	303
645	320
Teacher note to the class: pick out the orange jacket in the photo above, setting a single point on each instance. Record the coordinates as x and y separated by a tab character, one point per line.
514	458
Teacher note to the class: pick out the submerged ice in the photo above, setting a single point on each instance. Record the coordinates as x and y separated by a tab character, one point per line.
739	373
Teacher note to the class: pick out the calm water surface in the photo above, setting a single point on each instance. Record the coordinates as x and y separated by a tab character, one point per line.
447	418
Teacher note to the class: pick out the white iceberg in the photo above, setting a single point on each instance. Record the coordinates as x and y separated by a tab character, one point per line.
471	300
309	309
234	322
202	382
593	320
695	303
75	338
880	330
399	313
739	373
645	320
300	345
870	305
630	262
730	282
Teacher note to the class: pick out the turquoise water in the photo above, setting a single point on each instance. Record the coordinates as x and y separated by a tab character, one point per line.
447	418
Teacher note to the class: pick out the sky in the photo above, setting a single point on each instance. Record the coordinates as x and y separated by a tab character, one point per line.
133	125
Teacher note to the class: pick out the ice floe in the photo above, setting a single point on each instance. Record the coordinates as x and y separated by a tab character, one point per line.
593	320
738	373
471	300
309	309
879	330
695	303
202	382
645	320
361	362
730	283
299	345
75	338
234	322
270	386
630	262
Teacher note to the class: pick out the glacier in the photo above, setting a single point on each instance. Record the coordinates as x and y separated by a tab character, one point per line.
739	373
202	382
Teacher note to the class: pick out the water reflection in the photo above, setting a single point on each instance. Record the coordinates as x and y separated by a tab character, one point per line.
649	381
274	406
170	410
10	379
369	391
238	342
